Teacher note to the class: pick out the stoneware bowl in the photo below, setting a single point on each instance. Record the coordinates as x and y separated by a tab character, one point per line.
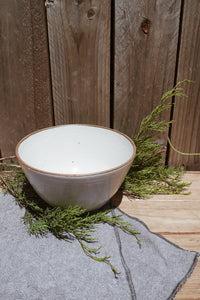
80	165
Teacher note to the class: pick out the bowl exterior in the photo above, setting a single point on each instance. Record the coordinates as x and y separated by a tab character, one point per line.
90	192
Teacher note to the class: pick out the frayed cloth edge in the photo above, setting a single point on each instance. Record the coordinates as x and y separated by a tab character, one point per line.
185	278
192	267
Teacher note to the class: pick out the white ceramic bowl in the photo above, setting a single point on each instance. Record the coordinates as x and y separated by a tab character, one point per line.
76	164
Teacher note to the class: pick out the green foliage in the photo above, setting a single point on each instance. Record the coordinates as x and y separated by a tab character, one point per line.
151	122
148	174
68	224
144	181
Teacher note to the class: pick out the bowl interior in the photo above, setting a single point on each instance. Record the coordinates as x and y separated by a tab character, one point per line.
75	149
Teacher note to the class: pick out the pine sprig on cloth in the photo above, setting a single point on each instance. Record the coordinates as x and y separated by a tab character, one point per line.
67	224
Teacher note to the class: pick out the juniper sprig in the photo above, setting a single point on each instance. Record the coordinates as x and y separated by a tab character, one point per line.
67	224
151	123
148	174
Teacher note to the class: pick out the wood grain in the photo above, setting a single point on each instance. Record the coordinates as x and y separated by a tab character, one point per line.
165	216
79	40
25	89
185	131
186	241
146	35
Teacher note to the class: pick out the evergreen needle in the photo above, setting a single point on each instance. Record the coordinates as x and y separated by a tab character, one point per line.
68	224
148	174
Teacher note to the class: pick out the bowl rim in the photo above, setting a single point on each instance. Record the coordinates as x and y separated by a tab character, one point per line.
74	175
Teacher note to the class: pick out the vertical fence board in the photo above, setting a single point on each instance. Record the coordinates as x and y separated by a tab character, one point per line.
185	131
25	92
146	35
79	39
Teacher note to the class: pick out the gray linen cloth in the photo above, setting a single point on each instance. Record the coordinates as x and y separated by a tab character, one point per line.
46	268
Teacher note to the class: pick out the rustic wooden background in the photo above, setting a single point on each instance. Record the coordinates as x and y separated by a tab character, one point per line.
104	62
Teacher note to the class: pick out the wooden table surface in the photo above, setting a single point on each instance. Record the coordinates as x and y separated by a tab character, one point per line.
177	218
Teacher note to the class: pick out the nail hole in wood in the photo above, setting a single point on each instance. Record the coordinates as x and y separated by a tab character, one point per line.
78	2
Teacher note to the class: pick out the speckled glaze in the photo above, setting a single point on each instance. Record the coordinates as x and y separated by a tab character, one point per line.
76	164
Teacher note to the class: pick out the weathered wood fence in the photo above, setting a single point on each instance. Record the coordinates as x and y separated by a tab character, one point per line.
101	62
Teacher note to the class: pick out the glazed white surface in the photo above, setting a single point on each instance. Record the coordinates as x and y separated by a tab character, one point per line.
72	165
75	149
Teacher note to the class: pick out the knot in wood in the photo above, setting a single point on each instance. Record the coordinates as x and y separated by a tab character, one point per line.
91	13
145	26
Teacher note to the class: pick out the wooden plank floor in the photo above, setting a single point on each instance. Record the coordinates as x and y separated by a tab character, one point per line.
177	218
